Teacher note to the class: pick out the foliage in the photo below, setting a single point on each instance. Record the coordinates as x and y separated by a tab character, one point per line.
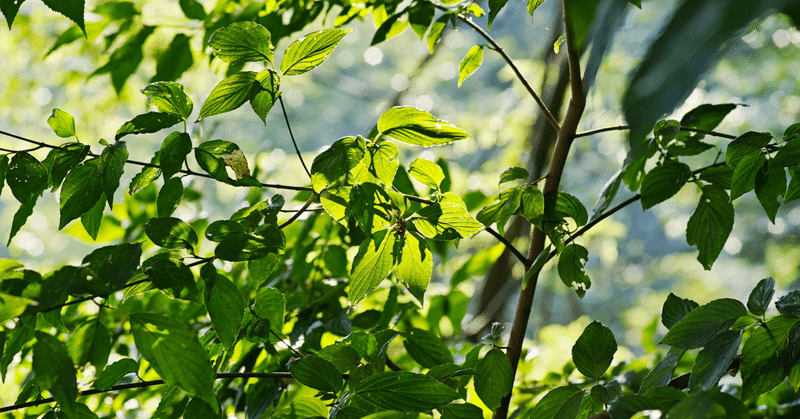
260	318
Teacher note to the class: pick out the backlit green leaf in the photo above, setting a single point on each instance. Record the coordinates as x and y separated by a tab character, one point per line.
391	27
171	233
417	127
169	97
447	220
710	224
404	391
267	94
242	246
90	343
333	163
426	172
435	34
81	190
125	60
229	94
62	123
19	220
176	59
663	182
73	9
470	63
173	277
420	17
270	304
311	50
146	176
114	373
513	173
54	371
415	266
242	42
372	264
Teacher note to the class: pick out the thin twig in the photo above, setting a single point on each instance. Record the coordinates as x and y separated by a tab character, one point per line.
291	135
290	347
509	246
300	211
682	128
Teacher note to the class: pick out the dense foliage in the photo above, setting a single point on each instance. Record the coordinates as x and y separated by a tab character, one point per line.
283	312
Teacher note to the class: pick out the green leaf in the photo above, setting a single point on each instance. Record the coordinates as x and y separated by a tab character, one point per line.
562	402
215	156
770	184
415	266
173	277
594	350
175	354
62	123
789	154
317	373
169	197
628	404
435	34
372	264
764	365
470	63
111	167
745	174
173	154
343	357
225	306
146	176
404	391
427	172
333	163
364	343
90	343
789	304
721	176
242	42
714	360
571	268
60	161
462	411
494	379
115	372
703	323
417	127
532	204
792	191
513	173
311	50
242	246
169	97
193	9
305	407
270	304
219	230
663	182
72	9
81	190
147	123
661	374
171	233
336	202
19	220
10	9
746	144
54	371
27	178
125	60
533	5
607	194
604	394
569	206
761	296
666	130
426	348
3	168
447	220
494	8
710	224
390	28
420	17
176	59
229	94
113	265
267	94
380	164
675	309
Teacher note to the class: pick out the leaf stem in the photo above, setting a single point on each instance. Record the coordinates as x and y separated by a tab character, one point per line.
291	135
299	212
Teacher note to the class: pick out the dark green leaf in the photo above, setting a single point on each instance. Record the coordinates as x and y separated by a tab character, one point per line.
689	148
61	160
90	343
763	356
663	182
415	266
710	224
267	95
174	150
171	233
789	154
789	304
54	371
494	378
705	117
72	9
242	42
714	360
435	35
770	184
594	350
661	374
666	130
373	263
217	155
198	408
124	61
604	394
404	391
417	127
675	309
81	191
114	373
62	123
792	191
561	402
426	348
147	123
607	194
390	28
721	176
111	167
176	59
229	94
469	64
193	9
270	304
420	17
333	163
343	357
703	323
146	176
19	220
569	206
532	204
317	373
114	265
219	230
27	178
173	277
169	97
628	404
462	411
746	144
571	268
761	296
513	173
169	197
494	8
745	173
10	9
174	352
242	246
311	50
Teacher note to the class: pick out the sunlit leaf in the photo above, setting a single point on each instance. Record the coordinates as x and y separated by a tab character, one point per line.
310	51
372	264
242	42
417	127
404	391
229	94
470	63
169	97
317	373
415	266
62	123
560	402
572	268
333	163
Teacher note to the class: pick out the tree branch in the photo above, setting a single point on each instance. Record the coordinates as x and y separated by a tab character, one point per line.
300	211
291	135
682	128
